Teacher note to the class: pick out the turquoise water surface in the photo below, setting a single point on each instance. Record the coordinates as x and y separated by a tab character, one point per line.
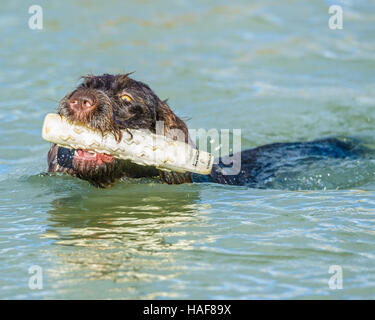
273	69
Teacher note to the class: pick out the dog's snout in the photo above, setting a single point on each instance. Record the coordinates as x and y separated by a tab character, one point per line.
80	101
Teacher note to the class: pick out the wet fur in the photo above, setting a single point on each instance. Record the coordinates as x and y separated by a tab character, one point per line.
111	114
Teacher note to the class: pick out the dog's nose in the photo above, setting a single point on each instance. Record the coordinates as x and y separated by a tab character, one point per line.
82	101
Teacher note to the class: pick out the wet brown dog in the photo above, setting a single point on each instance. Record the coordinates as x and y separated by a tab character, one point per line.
110	103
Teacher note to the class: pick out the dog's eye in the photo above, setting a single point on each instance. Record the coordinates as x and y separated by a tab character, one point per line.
125	97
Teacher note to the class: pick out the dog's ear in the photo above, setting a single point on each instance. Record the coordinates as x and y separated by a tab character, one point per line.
169	124
172	127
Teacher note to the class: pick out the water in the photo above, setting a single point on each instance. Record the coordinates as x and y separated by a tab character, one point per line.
273	69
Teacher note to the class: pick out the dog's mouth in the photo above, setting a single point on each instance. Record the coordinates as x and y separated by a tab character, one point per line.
90	156
80	158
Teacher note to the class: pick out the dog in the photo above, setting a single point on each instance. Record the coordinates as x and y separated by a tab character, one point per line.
111	103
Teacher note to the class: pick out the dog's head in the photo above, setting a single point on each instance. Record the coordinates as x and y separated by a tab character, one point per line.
109	104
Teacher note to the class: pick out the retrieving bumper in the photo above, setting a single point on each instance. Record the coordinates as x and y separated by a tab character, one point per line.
140	147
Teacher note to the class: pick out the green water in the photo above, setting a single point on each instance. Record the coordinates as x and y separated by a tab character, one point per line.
271	68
